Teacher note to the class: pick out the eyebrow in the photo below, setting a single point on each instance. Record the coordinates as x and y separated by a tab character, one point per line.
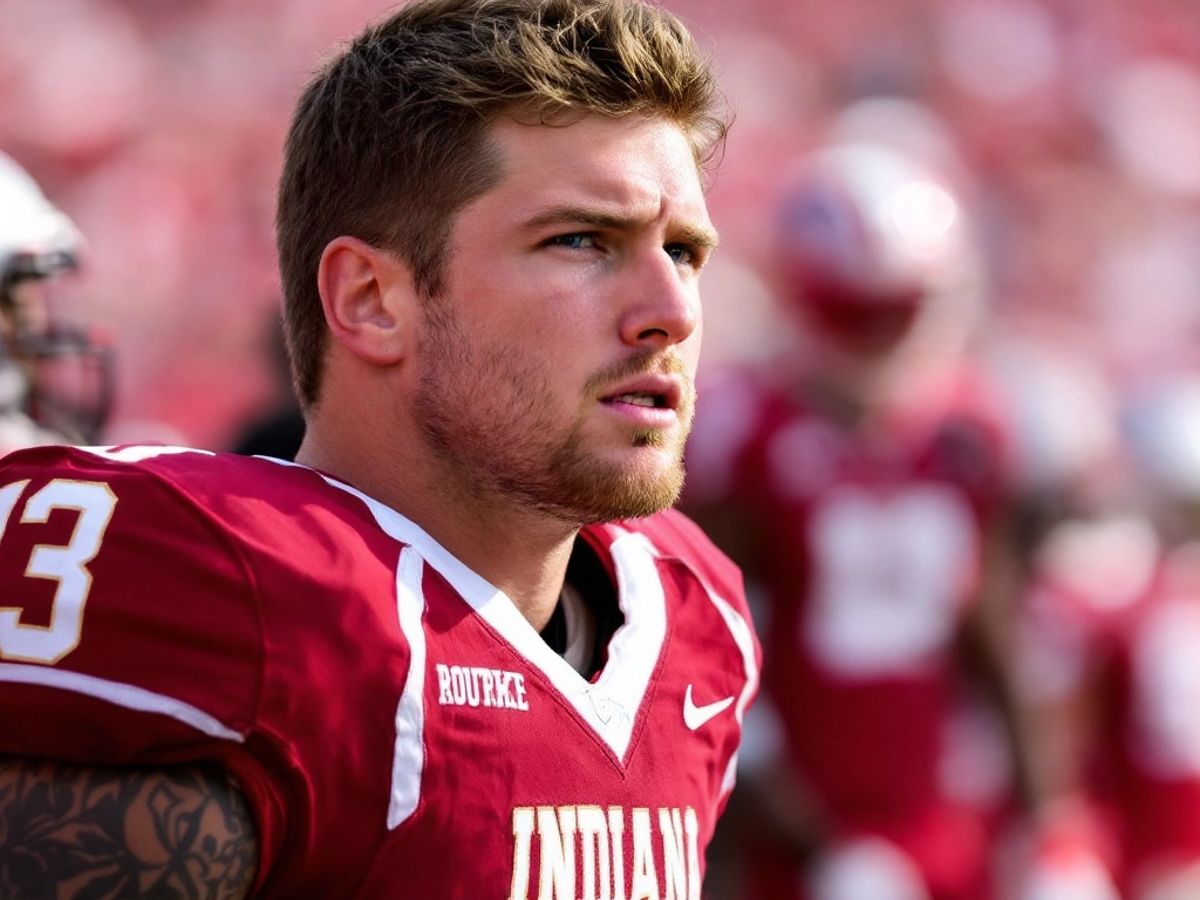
705	238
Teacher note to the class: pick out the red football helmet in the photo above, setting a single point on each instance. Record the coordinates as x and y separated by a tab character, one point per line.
867	238
53	373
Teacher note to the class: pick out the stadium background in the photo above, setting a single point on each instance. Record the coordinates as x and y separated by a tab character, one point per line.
157	126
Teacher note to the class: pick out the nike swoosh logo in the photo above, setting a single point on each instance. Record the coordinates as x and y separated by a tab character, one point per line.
694	716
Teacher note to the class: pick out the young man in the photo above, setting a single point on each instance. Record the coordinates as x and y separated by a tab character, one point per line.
1109	652
457	651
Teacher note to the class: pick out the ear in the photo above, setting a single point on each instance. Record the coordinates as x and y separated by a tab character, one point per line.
368	297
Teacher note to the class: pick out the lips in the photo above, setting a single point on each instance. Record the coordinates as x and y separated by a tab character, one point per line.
654	401
650	391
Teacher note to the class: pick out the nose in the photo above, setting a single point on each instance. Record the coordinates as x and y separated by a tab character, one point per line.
663	303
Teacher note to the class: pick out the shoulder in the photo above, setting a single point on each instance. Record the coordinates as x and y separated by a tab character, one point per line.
186	470
674	536
953	425
121	495
737	412
973	423
154	485
710	620
185	467
169	547
124	592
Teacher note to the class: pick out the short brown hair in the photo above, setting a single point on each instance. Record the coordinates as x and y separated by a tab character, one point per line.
389	139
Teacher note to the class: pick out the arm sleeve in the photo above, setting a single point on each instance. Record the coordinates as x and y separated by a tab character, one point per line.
129	629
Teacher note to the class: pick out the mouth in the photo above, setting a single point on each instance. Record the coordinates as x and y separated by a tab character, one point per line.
654	401
649	392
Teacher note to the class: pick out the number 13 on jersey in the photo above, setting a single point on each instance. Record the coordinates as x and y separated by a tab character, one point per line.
66	565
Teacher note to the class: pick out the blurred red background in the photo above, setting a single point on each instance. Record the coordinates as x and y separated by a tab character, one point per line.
157	126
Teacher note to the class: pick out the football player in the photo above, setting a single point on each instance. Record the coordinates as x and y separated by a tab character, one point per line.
460	649
859	480
1113	625
55	380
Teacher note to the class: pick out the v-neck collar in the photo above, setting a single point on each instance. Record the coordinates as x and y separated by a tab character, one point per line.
610	704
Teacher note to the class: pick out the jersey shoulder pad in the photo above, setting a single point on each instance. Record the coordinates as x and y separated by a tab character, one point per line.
675	536
733	410
125	604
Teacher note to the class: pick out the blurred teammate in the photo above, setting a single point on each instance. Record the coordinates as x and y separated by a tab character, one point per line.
55	383
460	649
1112	662
859	481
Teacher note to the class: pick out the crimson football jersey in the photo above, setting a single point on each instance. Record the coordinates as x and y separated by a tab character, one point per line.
396	725
869	548
1121	617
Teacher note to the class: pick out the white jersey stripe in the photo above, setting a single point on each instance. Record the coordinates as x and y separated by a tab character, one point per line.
408	759
635	648
744	638
135	453
127	695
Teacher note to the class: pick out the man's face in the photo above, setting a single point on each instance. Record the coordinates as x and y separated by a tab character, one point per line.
557	366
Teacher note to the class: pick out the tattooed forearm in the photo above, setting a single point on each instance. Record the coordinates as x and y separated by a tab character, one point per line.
77	832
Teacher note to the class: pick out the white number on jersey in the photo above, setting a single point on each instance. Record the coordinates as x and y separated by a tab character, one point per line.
64	565
888	574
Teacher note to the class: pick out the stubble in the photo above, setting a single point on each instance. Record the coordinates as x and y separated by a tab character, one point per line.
486	412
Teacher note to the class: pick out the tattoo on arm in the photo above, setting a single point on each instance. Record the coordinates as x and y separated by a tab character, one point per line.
93	834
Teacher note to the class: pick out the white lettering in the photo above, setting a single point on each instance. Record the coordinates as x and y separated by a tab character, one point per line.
616	827
583	847
458	681
670	827
522	838
489	687
692	826
597	859
476	686
556	831
645	875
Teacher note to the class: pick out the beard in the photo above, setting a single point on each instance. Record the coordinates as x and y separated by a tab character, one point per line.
488	416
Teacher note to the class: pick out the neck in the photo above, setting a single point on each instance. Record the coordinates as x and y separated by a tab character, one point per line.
521	551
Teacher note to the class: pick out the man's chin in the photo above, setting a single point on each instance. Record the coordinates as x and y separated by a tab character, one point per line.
632	495
627	481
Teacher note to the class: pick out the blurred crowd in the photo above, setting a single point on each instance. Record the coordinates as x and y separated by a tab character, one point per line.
950	416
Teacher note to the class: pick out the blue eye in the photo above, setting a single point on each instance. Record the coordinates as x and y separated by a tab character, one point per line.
681	254
577	241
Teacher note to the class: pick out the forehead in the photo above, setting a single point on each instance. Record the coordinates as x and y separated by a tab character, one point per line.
637	166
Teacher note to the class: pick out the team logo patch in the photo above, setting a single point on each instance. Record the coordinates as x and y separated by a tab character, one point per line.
479	686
